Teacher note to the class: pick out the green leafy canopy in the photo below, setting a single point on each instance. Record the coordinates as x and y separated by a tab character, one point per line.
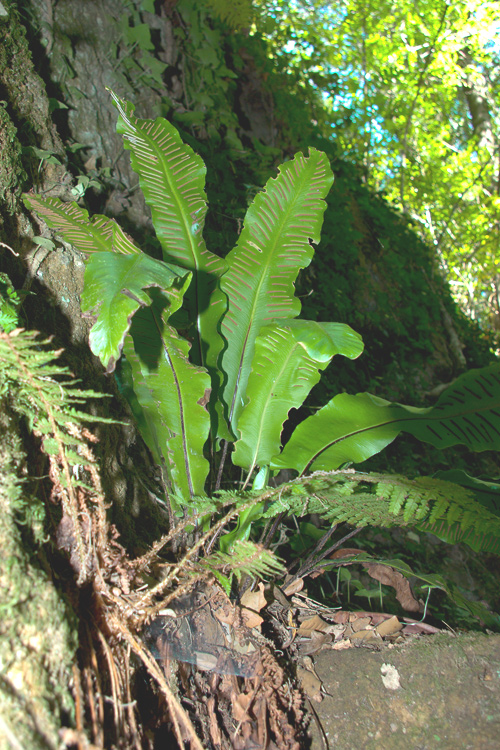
244	358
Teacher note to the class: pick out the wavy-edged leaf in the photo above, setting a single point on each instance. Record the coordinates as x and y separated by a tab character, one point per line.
89	235
349	428
273	246
172	179
172	394
353	428
116	287
287	362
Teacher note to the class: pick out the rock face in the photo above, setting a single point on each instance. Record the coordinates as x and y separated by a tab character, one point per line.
438	691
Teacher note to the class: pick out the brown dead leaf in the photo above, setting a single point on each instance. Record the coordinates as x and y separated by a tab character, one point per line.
225	614
251	619
366	636
294	587
254	600
311	624
314	643
389	627
360	623
390	577
341	618
241	704
310	684
346	552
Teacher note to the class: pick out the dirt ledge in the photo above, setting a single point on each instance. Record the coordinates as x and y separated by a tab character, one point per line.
449	695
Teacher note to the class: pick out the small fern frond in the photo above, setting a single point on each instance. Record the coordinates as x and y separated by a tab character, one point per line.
237	14
360	499
41	390
245	559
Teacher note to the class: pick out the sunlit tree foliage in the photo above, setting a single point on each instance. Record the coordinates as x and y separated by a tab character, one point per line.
412	94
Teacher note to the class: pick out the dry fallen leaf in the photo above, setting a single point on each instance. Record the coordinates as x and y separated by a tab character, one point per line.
360	623
387	575
315	642
254	599
390	577
294	587
252	602
389	627
311	685
311	624
365	636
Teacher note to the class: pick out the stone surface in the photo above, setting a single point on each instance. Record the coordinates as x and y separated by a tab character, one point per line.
449	695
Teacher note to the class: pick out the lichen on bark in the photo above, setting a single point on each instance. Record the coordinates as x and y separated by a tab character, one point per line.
38	638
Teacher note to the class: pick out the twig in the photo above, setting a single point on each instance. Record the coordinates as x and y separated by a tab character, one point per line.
177	713
309	566
8	247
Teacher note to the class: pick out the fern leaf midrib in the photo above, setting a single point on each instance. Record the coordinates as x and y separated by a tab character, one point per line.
389	422
264	277
181	407
268	399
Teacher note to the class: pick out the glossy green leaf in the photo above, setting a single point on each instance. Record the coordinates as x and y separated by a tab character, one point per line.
287	362
116	286
172	178
89	235
353	428
273	246
349	428
172	394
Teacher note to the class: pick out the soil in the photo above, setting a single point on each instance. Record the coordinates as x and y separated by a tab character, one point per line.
438	691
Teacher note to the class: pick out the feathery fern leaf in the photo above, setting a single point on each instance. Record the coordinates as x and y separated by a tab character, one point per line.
245	559
390	500
237	14
40	389
486	493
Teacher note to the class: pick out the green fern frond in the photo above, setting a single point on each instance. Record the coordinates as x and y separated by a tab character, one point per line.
245	559
39	389
238	14
378	500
